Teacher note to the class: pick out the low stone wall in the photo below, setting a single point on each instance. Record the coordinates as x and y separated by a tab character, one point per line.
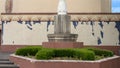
12	48
113	62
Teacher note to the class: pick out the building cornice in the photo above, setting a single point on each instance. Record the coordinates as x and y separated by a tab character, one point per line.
50	16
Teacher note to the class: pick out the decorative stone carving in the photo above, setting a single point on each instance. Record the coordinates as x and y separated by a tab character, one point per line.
80	17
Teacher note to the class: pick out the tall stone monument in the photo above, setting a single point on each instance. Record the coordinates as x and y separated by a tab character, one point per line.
62	30
62	37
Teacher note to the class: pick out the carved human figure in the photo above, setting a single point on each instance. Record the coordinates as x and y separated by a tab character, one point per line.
62	9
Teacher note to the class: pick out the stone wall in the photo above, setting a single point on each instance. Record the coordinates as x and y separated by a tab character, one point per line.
32	28
35	32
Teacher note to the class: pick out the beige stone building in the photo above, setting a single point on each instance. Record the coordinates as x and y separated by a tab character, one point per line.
51	6
90	19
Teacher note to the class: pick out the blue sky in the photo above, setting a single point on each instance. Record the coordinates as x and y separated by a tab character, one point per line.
116	6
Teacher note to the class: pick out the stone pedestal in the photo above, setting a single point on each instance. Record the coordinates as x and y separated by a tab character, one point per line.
62	24
62	44
62	30
62	37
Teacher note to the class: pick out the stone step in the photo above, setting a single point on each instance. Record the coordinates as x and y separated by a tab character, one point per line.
8	66
4	59
6	62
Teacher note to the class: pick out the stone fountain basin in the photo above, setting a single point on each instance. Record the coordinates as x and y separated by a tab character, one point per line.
24	62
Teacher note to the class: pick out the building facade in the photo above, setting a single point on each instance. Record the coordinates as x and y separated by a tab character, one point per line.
23	6
31	21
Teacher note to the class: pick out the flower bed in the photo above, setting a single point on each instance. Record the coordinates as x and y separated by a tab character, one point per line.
25	62
41	53
73	58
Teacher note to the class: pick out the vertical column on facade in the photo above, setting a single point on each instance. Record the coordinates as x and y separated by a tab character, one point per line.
106	6
8	6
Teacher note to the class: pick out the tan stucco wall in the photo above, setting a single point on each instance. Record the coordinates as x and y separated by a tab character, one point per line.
51	5
106	5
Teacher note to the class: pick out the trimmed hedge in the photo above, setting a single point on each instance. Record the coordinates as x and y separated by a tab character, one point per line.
84	54
48	53
64	52
101	52
81	54
45	54
28	51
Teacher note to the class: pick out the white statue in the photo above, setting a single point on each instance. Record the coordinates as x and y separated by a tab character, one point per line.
62	9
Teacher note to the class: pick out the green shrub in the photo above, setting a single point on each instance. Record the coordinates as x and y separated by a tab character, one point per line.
64	52
48	53
84	54
45	54
98	57
101	52
29	50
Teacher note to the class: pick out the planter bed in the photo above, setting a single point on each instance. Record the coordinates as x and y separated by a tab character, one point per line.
24	62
